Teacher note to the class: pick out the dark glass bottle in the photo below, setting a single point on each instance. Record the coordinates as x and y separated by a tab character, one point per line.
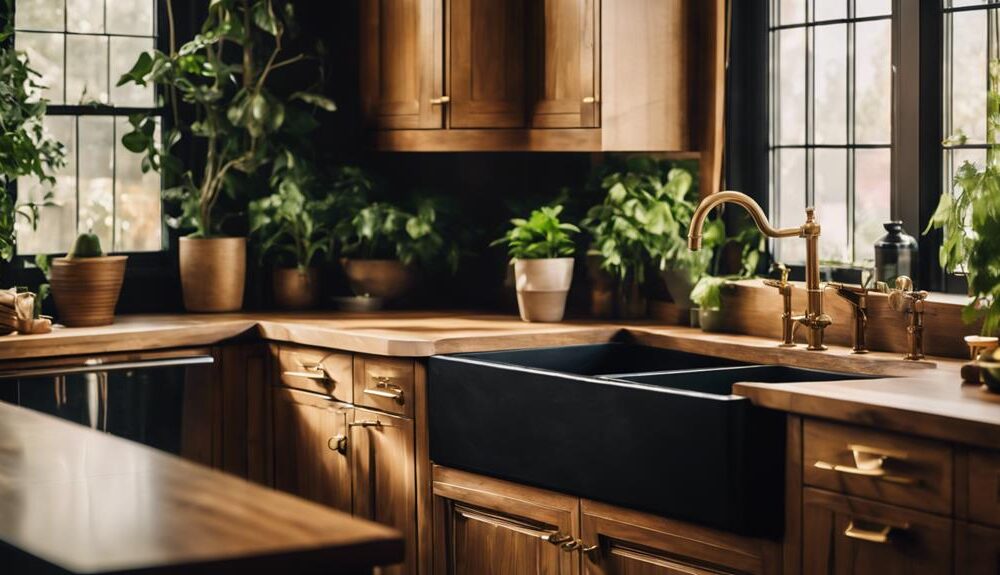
895	254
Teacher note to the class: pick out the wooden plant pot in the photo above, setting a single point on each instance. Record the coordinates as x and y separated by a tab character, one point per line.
213	273
387	279
86	289
542	286
295	288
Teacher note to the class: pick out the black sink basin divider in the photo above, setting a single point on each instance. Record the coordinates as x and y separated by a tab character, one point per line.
601	422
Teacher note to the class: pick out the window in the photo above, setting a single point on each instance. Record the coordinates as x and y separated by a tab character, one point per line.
969	30
80	48
830	132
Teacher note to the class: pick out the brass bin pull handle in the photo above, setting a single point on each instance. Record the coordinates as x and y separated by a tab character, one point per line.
366	423
881	534
337	443
315	371
383	388
869	462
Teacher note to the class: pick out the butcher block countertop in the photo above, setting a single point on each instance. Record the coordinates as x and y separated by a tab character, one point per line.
924	398
74	500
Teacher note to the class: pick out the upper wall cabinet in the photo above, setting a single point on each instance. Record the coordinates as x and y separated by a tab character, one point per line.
531	75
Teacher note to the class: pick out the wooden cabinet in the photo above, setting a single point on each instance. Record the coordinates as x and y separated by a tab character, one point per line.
384	476
977	549
485	525
401	74
546	75
843	534
311	457
492	527
318	370
623	542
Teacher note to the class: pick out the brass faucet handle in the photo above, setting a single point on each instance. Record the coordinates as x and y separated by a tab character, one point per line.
781	284
904	284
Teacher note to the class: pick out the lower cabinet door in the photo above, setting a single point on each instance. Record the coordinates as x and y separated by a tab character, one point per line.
617	541
384	477
486	526
977	549
847	535
311	457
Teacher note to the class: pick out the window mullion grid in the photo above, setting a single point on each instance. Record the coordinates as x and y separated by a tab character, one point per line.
810	59
850	150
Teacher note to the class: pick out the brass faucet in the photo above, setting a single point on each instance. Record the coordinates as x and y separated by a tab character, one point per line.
814	318
907	300
787	321
857	296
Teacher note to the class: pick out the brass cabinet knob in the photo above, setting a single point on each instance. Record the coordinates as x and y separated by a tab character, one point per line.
589	100
337	443
440	101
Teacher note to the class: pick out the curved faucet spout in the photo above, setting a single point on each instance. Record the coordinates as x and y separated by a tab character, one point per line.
753	208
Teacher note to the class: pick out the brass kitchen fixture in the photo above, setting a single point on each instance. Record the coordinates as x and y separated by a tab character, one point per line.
787	321
857	296
814	318
907	300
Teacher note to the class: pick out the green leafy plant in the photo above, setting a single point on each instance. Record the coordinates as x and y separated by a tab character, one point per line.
295	224
381	230
707	293
241	120
542	235
969	216
642	222
25	148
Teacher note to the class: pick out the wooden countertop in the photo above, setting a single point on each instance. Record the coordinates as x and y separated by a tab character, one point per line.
73	499
928	401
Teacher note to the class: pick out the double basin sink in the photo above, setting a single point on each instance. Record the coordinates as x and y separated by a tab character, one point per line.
644	428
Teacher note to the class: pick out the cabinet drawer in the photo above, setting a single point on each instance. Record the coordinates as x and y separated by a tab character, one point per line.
317	370
897	469
977	549
984	487
843	534
384	383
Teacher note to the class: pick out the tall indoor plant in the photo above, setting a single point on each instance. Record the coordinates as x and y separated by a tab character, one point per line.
25	148
225	75
541	249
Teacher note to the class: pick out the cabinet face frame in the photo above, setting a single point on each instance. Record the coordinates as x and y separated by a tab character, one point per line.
415	62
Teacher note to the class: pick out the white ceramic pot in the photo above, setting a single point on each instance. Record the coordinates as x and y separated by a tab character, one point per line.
542	286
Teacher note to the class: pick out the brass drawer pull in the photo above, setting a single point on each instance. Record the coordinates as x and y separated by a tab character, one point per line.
589	100
878	534
440	101
337	443
869	462
385	389
556	538
315	371
366	423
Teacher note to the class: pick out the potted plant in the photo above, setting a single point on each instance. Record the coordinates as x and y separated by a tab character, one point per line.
239	121
85	284
641	226
541	249
970	221
383	245
707	292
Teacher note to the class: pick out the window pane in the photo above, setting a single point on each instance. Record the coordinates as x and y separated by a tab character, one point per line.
873	82
831	84
124	52
85	16
86	69
96	190
40	15
872	197
130	17
968	71
45	56
831	204
866	8
137	203
57	224
830	10
791	202
792	86
792	11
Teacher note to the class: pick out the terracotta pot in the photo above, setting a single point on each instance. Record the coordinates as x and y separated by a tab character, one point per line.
388	279
213	273
542	286
86	289
295	288
602	288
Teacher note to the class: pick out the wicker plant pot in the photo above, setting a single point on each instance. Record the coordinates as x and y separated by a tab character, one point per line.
387	279
294	288
213	273
86	289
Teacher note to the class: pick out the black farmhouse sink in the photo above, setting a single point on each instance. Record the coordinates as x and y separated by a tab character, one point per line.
645	428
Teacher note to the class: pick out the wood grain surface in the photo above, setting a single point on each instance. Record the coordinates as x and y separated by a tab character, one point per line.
76	500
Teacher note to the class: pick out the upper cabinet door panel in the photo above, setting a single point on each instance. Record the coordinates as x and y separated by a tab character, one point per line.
564	58
401	63
487	63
